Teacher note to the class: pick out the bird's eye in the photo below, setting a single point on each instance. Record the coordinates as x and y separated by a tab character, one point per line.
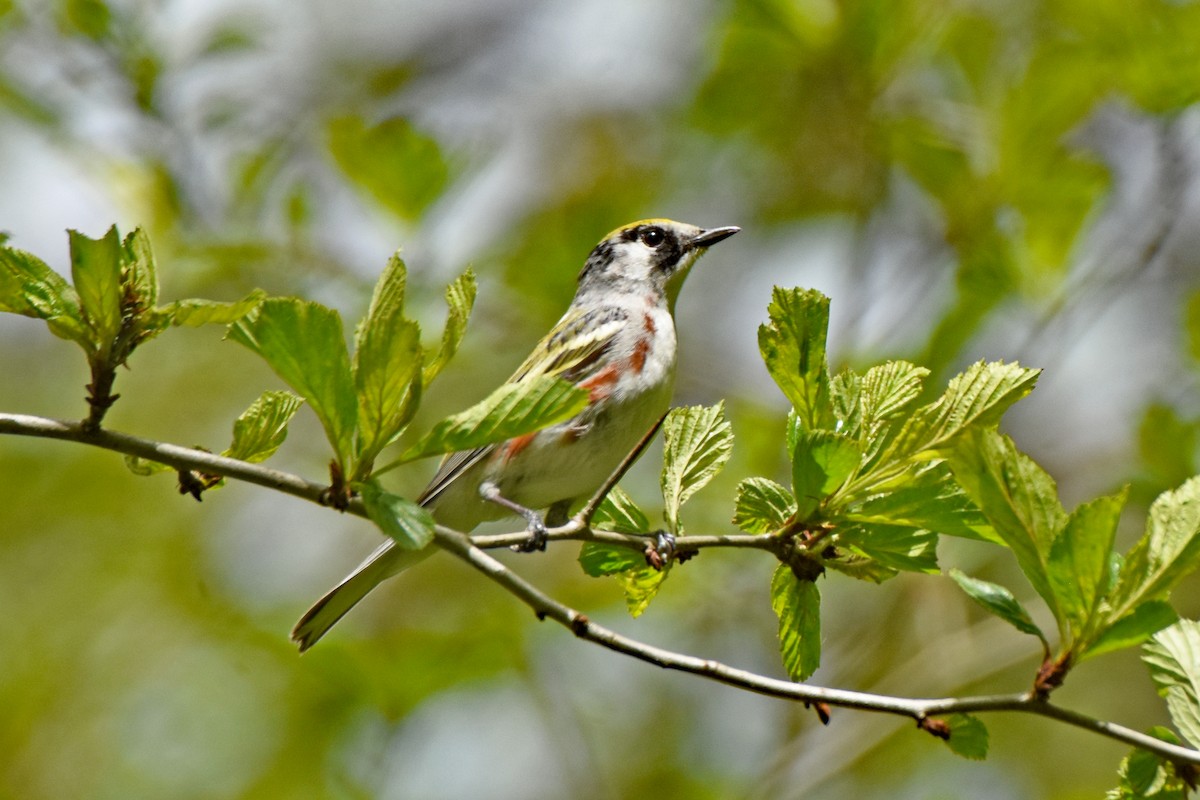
653	237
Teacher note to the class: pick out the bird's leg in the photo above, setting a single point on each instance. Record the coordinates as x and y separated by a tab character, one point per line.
537	528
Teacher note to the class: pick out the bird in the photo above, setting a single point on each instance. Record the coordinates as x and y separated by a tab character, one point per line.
616	341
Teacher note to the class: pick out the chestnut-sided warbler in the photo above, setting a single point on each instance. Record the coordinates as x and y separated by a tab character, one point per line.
617	341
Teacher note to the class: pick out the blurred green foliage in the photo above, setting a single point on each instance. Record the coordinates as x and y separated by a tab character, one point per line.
143	652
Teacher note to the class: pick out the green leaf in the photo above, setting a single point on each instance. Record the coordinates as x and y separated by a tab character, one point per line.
305	345
1146	776
763	506
889	389
1130	630
406	523
1166	553
193	313
515	409
895	546
1079	558
460	299
140	272
929	498
96	271
387	365
976	398
793	347
30	288
398	165
1019	500
999	601
618	513
638	580
697	441
859	567
262	427
797	603
821	463
144	467
1173	656
968	736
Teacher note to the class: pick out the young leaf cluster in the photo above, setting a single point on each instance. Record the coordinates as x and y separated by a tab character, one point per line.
111	308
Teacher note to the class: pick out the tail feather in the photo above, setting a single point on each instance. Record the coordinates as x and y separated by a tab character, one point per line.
385	562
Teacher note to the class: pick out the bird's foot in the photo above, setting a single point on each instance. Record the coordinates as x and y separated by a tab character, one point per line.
661	550
537	528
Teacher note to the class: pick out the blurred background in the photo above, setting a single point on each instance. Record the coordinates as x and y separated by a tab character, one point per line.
1000	179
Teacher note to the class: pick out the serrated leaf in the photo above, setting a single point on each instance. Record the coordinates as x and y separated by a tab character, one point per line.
409	525
387	375
845	397
1146	776
793	347
697	441
928	498
1173	656
999	601
140	272
1019	500
821	463
30	288
797	603
975	398
619	513
639	581
1130	630
260	430
96	273
305	345
1168	551
889	389
1079	558
460	299
968	736
763	506
387	365
515	409
895	546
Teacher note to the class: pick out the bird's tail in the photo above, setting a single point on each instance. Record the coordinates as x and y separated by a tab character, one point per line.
385	562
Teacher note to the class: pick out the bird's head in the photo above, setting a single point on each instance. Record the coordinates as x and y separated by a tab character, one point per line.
648	256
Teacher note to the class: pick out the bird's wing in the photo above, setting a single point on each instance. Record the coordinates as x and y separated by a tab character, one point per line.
570	351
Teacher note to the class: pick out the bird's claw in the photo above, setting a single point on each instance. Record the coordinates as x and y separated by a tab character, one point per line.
661	550
536	543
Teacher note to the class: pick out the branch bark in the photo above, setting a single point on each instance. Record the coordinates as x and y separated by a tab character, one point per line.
472	551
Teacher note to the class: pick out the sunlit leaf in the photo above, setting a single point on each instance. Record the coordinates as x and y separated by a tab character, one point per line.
515	409
1079	558
96	272
968	736
460	299
262	428
797	603
895	546
930	499
30	288
638	580
409	525
763	506
618	513
1130	630
305	345
999	601
697	442
1173	656
793	347
821	462
398	165
1146	776
1019	500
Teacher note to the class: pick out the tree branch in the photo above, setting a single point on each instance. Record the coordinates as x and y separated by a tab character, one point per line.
471	551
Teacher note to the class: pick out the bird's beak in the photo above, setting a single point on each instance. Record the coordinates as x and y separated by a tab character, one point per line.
712	236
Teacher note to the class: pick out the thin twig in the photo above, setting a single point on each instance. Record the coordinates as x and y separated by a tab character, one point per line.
544	606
